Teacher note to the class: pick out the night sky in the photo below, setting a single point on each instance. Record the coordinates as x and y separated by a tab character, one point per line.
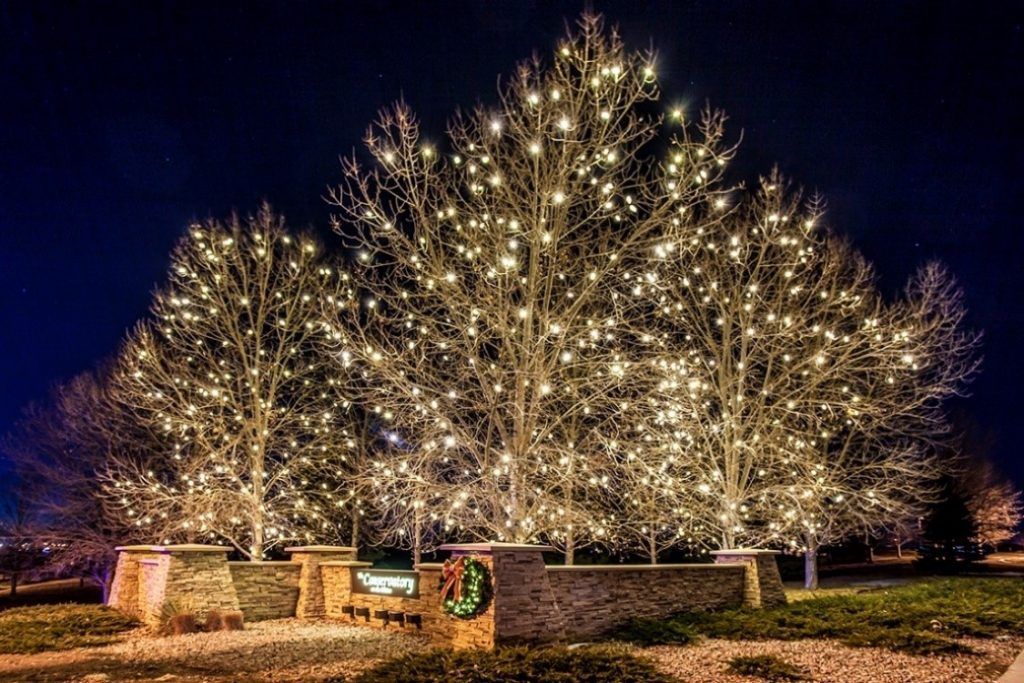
119	123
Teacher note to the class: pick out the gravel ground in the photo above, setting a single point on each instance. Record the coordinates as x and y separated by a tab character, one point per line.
289	651
827	661
282	650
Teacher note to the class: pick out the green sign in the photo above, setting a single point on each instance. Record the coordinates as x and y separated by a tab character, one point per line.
395	582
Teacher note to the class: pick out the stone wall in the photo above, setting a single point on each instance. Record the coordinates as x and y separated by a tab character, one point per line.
527	609
311	591
531	602
595	599
442	629
266	590
762	586
149	579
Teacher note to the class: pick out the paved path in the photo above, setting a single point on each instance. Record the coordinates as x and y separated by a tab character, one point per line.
1015	674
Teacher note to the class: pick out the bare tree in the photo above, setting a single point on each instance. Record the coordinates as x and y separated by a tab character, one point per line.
60	451
20	552
258	437
996	505
503	278
803	403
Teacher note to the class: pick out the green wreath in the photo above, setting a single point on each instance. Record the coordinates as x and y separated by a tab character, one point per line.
465	587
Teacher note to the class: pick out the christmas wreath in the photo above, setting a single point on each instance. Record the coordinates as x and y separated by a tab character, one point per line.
465	587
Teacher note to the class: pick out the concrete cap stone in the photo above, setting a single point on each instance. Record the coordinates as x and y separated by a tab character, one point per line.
192	548
492	546
635	567
744	551
138	548
345	563
321	549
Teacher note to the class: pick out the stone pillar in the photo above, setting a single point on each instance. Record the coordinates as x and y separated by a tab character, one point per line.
124	589
762	582
311	588
196	577
524	608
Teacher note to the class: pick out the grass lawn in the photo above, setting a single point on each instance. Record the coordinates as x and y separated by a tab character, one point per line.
49	593
25	630
924	617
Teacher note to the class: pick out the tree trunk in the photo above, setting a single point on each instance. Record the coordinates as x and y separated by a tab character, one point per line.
355	529
417	537
871	551
652	547
811	567
899	549
256	545
570	549
105	577
14	583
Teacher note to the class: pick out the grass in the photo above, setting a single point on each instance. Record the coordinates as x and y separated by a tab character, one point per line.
920	618
53	592
768	667
590	664
25	630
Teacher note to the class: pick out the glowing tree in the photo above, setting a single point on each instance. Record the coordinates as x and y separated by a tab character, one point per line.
804	399
996	506
502	278
256	422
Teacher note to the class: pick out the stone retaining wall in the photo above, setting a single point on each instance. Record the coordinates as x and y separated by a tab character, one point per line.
266	590
531	602
595	599
442	629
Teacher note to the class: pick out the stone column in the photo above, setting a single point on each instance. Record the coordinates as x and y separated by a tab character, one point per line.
762	582
311	588
124	589
194	576
524	608
149	577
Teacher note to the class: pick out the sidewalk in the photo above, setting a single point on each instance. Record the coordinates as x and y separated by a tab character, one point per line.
1015	674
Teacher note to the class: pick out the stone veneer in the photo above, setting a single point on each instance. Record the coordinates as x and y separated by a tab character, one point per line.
311	589
594	599
531	602
762	585
266	590
124	589
442	629
148	578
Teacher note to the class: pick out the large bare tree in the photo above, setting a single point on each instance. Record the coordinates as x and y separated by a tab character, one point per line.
259	443
60	451
502	276
804	403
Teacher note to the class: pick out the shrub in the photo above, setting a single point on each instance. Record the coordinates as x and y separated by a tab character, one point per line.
60	627
180	624
591	664
768	667
214	620
920	618
173	613
233	620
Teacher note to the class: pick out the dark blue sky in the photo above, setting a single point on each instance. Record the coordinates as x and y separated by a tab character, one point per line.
119	122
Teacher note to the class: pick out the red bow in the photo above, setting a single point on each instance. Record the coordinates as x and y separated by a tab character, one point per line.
452	573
